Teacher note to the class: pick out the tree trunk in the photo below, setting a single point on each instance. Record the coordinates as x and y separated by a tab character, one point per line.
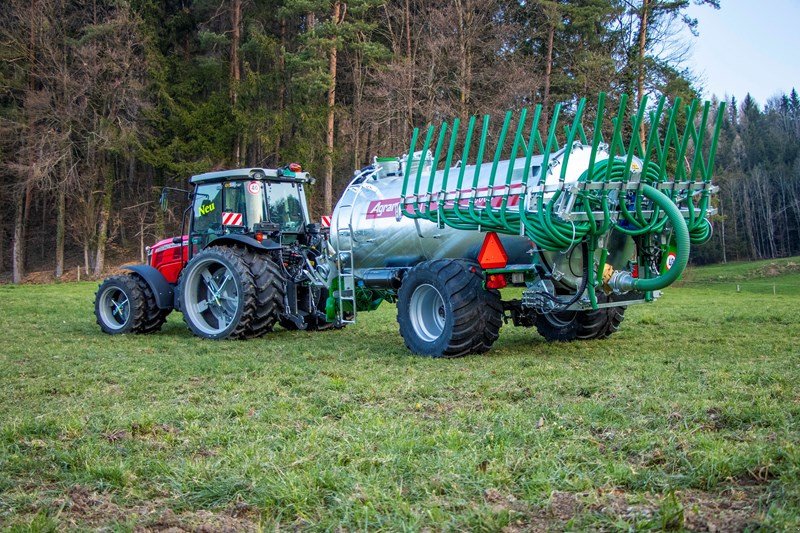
328	178
641	72
60	207
281	87
358	91
408	124
236	22
722	234
548	70
465	15
105	215
141	239
18	248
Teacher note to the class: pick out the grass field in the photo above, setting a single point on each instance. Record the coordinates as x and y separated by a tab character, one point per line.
687	418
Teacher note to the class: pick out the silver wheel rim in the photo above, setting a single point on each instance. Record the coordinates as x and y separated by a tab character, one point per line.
211	297
115	307
428	312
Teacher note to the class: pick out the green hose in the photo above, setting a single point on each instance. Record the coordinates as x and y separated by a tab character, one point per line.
681	240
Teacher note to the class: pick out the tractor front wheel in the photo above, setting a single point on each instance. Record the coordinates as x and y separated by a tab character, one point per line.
444	311
217	294
126	304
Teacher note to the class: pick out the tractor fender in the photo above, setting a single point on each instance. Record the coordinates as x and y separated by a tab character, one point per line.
162	289
245	240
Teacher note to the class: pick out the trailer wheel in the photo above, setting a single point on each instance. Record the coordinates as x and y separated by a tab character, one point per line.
270	291
581	325
601	323
444	311
217	294
560	327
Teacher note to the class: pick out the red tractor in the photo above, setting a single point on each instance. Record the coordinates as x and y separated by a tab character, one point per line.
251	258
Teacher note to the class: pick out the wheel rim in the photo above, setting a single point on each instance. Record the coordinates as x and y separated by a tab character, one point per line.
115	307
428	312
212	298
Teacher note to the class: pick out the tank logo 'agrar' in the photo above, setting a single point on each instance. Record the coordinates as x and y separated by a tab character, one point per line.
383	208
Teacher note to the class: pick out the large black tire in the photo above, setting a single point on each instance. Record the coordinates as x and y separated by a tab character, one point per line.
581	325
154	317
444	311
558	327
139	312
601	323
270	291
217	320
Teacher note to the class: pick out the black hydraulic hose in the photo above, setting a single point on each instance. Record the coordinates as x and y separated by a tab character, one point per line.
584	282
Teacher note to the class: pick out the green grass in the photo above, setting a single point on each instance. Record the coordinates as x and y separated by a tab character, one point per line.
688	417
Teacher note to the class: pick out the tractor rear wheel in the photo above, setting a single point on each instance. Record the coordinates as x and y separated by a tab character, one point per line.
217	294
270	291
126	304
444	311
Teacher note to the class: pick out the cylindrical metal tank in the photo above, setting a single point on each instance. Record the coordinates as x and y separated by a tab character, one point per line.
367	221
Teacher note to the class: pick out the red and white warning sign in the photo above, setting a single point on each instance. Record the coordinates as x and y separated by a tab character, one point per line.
671	259
325	222
231	219
254	187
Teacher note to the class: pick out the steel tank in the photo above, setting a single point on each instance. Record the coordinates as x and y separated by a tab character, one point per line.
367	223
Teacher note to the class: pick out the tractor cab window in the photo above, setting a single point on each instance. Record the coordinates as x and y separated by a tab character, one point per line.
284	206
208	208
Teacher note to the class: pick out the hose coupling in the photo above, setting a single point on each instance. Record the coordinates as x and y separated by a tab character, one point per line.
622	281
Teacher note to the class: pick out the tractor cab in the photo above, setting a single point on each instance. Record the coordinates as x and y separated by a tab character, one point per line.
264	204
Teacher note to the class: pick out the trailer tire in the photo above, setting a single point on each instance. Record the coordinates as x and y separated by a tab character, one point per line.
600	323
492	311
444	311
270	291
205	318
558	327
581	325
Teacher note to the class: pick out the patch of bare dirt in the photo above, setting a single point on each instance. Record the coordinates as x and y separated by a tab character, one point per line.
199	522
82	508
772	270
738	508
563	507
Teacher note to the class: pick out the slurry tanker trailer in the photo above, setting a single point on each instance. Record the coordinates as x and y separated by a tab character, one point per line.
576	224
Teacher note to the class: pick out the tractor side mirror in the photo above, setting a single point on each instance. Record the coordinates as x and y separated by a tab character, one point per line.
163	200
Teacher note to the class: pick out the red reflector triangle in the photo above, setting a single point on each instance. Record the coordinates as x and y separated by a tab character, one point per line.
492	254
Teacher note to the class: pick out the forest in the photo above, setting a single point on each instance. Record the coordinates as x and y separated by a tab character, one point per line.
104	102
